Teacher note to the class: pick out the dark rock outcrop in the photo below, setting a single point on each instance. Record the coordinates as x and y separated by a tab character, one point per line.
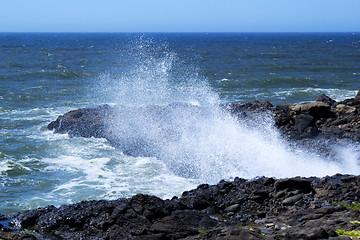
86	122
263	208
324	118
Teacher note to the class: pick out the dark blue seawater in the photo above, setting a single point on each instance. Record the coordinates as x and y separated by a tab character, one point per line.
44	75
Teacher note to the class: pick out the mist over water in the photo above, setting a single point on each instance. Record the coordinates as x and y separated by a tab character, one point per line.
176	117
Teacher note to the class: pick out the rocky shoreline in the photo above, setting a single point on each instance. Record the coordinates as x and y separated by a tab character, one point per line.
261	208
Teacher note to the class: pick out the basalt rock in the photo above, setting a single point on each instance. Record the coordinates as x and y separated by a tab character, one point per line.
324	118
294	208
85	122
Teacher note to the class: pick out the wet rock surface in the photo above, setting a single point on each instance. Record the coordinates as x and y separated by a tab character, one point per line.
324	118
317	126
262	208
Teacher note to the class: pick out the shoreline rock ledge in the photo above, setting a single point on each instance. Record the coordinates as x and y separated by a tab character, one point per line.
324	118
262	208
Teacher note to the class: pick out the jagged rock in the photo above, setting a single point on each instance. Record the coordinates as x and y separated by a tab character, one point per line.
357	97
303	121
86	122
325	99
342	109
182	223
301	184
233	208
315	109
15	236
291	200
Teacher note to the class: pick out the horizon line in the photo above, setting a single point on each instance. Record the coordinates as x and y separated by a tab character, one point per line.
207	32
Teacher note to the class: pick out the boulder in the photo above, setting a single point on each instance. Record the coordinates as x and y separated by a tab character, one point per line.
292	200
342	109
303	121
301	184
314	109
325	99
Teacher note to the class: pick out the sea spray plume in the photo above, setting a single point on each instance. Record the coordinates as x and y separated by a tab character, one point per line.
166	110
209	144
153	74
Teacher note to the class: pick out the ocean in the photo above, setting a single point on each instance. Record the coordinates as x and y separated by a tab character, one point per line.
44	75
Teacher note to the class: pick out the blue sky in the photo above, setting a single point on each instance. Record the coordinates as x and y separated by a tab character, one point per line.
180	16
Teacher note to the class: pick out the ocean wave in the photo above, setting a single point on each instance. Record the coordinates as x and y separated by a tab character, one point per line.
33	112
300	95
49	74
3	167
281	82
9	166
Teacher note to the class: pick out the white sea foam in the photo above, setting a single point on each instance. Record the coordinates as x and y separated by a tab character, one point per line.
33	114
219	147
115	177
336	94
3	167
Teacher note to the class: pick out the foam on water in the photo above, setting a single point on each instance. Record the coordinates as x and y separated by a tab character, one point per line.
82	168
3	167
114	177
310	93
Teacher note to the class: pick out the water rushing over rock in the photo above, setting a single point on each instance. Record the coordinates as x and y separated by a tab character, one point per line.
216	142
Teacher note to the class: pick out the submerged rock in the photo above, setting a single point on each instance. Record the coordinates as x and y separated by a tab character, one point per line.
294	208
